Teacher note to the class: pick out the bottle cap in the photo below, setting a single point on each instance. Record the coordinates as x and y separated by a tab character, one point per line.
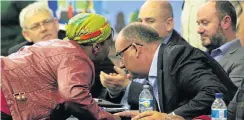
218	95
145	86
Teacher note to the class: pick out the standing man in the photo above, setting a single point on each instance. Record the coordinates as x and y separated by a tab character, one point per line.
38	24
158	15
217	27
184	78
37	78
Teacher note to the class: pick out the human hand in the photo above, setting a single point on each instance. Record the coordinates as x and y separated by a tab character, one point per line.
114	80
154	115
150	115
130	113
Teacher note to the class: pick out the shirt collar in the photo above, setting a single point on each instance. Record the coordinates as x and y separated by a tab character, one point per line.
154	66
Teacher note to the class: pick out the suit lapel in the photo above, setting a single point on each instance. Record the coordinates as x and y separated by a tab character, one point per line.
160	76
232	49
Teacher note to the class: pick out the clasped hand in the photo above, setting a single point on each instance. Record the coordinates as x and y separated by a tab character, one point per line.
115	81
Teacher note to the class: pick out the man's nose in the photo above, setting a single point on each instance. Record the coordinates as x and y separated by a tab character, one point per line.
144	22
200	30
42	27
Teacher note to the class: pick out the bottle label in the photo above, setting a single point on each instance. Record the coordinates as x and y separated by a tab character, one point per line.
145	105
219	114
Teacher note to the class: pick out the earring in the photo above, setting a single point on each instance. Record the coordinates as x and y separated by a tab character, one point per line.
95	50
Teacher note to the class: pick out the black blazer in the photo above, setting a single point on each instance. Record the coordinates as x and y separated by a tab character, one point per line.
175	39
187	81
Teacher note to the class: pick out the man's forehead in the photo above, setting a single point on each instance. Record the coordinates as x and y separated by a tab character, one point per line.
37	17
207	11
208	6
150	13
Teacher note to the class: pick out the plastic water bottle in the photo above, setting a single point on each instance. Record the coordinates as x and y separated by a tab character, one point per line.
219	109
145	100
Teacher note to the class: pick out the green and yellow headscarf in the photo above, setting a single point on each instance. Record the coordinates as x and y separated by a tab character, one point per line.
88	28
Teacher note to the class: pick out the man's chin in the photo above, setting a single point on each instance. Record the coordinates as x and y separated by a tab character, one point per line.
136	75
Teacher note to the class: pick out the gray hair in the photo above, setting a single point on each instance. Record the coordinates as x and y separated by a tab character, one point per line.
140	32
32	9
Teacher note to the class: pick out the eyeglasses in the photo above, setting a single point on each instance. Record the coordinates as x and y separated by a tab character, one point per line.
120	54
37	26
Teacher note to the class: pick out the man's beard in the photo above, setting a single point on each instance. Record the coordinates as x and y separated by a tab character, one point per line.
216	40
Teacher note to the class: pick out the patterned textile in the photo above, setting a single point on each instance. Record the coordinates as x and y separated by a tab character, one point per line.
88	28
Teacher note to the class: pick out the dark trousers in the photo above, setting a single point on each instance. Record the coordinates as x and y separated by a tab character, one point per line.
5	116
66	109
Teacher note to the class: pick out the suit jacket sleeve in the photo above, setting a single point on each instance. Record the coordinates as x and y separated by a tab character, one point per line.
196	79
74	82
236	72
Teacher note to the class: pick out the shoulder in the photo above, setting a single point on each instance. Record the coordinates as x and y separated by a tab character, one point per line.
240	52
183	53
179	49
57	45
17	47
177	39
237	55
52	48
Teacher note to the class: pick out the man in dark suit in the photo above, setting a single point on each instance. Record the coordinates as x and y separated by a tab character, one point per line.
184	78
158	15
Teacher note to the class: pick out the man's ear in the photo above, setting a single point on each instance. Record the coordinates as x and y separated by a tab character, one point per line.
225	22
170	24
26	36
95	49
138	49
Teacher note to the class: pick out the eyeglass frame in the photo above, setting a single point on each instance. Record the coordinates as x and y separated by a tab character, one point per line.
119	54
38	26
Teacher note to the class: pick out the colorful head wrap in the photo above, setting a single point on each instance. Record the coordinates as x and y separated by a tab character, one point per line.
88	28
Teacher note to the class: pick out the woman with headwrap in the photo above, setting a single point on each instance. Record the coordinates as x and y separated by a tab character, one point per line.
52	74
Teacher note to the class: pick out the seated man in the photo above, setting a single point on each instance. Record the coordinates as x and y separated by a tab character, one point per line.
184	78
217	27
29	16
37	78
158	15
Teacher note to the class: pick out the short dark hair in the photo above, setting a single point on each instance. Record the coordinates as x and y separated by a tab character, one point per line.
141	32
226	8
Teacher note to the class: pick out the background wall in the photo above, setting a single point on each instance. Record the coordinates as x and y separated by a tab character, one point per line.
119	13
